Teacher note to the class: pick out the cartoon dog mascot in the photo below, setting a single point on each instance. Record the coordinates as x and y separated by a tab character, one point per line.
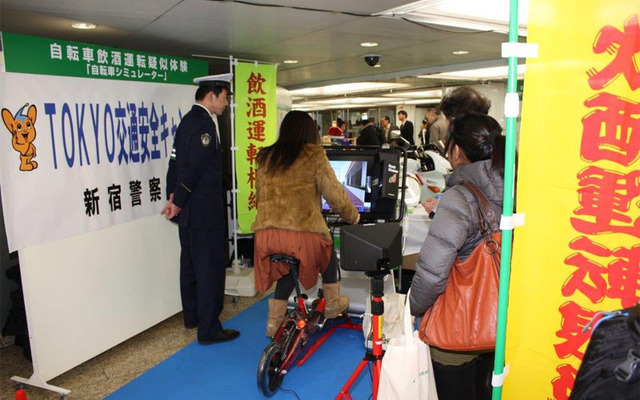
23	133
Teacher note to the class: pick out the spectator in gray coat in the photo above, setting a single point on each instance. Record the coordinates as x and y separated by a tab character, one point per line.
476	152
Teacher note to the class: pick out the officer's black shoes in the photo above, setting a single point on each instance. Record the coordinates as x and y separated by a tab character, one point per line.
224	335
191	326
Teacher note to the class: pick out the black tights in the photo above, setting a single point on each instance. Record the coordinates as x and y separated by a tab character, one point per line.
285	285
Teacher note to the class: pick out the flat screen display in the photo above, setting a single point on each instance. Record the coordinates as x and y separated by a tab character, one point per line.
352	174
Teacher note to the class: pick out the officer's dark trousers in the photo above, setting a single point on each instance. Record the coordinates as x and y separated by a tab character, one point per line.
202	275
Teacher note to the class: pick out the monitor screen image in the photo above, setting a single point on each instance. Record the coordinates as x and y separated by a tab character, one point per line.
352	174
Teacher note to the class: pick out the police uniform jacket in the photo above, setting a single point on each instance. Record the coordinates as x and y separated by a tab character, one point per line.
198	171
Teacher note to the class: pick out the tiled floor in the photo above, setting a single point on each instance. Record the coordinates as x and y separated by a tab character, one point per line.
112	369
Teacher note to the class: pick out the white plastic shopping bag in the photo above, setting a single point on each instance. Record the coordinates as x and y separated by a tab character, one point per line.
406	371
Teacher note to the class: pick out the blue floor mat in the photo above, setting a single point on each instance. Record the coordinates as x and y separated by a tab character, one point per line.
227	371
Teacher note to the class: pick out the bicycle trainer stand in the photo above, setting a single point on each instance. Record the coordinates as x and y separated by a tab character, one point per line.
374	355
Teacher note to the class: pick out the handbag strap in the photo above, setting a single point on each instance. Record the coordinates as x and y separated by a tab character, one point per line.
487	217
406	321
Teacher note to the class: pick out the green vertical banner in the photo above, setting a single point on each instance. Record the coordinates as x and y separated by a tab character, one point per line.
255	127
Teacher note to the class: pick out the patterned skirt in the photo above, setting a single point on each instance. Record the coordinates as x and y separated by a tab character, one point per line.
312	249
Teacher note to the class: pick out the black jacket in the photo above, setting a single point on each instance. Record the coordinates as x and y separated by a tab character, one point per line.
406	131
198	171
368	136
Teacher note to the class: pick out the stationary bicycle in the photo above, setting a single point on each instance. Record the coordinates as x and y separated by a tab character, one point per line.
293	335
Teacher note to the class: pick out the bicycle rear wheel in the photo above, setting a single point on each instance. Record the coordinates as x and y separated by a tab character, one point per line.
269	368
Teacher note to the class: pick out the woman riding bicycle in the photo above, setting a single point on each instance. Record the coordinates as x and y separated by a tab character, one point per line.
293	174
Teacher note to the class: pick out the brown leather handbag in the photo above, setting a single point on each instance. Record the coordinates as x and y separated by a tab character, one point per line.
463	318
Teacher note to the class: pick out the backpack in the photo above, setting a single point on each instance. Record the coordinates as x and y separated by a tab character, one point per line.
611	365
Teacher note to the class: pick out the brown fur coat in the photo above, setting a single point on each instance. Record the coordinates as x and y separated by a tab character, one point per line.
291	199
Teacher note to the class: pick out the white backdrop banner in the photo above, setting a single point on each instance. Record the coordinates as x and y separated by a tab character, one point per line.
82	154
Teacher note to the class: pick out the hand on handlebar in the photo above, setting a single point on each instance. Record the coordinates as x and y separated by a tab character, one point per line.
355	221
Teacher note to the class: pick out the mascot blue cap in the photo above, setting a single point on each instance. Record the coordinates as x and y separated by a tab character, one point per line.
21	115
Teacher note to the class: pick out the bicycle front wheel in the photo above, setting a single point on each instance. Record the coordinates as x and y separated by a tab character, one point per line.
269	369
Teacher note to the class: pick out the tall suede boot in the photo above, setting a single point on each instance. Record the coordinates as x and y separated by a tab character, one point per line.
335	304
277	312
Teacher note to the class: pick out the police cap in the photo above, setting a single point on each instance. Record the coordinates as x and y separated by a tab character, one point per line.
212	81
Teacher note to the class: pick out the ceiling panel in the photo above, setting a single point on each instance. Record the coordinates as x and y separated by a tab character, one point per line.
333	6
324	37
149	8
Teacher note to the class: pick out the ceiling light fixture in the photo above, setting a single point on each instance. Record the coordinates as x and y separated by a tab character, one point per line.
422	101
416	94
459	52
290	61
475	74
345	88
83	25
368	44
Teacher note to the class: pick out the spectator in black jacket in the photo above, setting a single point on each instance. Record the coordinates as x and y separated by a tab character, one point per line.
406	127
369	134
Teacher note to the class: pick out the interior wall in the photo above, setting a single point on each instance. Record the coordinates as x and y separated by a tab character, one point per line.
88	293
7	260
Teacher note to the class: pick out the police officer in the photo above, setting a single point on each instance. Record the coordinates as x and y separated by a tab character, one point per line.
194	181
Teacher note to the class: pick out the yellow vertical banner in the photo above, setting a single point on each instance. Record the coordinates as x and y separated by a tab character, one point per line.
578	184
255	127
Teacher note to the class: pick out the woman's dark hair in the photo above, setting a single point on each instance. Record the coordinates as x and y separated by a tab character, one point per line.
296	130
480	137
464	100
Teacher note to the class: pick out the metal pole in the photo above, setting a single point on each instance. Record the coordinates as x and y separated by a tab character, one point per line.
507	208
234	188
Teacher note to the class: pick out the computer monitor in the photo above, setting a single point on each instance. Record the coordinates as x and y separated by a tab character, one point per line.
352	174
373	178
370	247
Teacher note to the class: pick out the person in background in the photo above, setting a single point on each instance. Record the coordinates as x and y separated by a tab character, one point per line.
293	174
335	130
438	129
196	202
387	127
342	125
377	128
430	115
406	127
423	136
476	152
460	101
346	140
463	100
369	133
338	132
